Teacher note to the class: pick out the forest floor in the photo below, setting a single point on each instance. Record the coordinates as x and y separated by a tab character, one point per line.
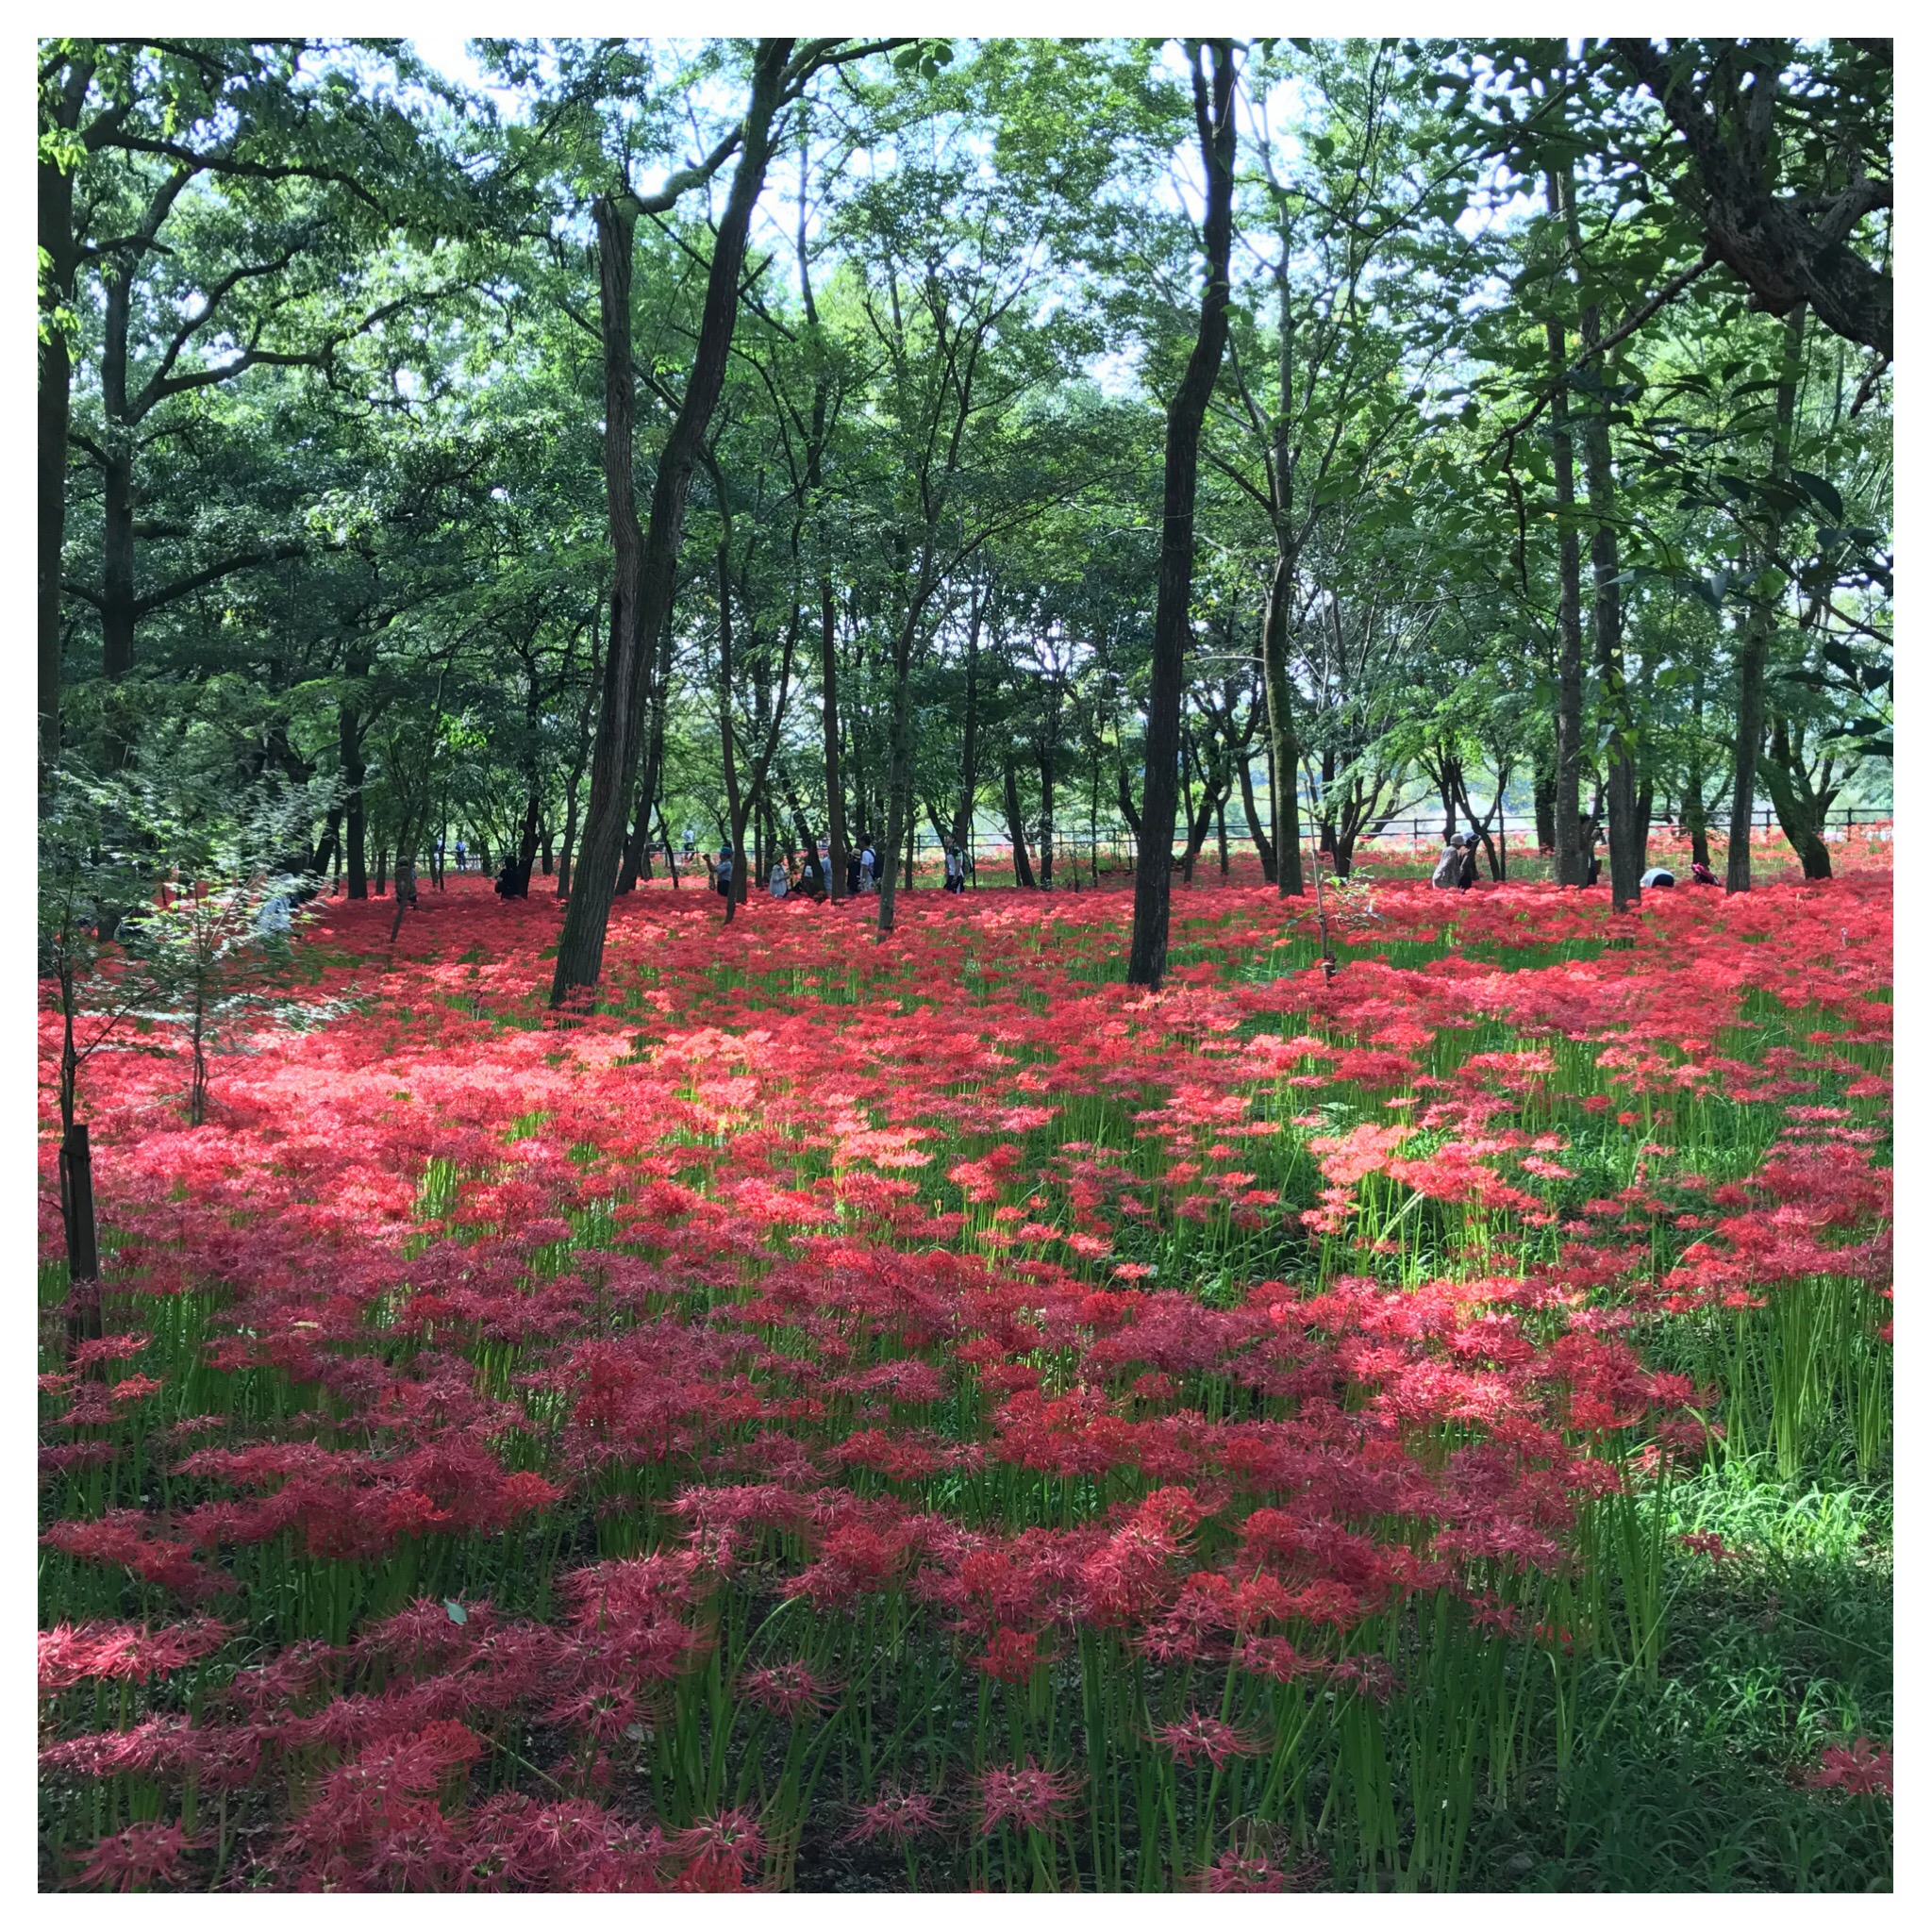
858	1416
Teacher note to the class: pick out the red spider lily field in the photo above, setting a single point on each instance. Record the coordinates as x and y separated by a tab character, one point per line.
926	1415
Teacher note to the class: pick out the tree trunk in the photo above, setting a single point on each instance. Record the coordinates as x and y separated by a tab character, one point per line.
1760	620
1572	859
1174	570
349	742
899	781
55	403
1263	844
1016	828
969	775
1284	754
117	483
1800	811
1045	762
1543	802
835	783
647	575
1694	822
1607	613
575	783
77	1223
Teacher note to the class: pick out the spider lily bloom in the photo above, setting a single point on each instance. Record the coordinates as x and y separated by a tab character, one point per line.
724	1847
791	1690
1859	1771
1026	1796
137	1858
895	1816
1197	1736
1235	1871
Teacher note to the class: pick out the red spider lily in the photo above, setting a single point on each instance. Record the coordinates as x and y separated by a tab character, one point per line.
789	1690
713	1312
1239	1872
1860	1770
1198	1736
70	1655
131	1860
1011	1656
896	1816
1030	1798
721	1849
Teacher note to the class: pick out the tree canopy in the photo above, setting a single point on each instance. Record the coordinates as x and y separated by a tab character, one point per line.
1025	444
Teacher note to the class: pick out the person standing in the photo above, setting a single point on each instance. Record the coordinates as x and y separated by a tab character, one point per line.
1448	872
955	867
868	866
725	872
1465	877
780	882
462	857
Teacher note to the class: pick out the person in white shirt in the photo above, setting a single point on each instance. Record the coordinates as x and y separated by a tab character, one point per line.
868	864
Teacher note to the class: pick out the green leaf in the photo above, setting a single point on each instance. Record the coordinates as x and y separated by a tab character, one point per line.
1821	492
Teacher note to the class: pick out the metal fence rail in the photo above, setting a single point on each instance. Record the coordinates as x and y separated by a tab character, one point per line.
1116	847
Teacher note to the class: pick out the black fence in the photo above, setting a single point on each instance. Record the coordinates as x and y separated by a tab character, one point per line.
1083	850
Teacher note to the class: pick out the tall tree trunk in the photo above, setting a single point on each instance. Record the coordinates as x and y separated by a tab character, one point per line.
828	607
1760	620
1543	798
1572	859
1045	763
1800	809
55	403
969	775
737	807
1264	845
647	574
574	782
117	482
1016	826
355	818
1694	822
1284	754
835	783
899	781
652	784
1607	609
329	843
1175	570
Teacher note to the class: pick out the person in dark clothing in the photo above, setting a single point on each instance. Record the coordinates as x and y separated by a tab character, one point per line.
513	881
1702	873
1465	877
852	872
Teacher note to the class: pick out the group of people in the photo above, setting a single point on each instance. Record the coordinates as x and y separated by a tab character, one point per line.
861	871
1455	869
